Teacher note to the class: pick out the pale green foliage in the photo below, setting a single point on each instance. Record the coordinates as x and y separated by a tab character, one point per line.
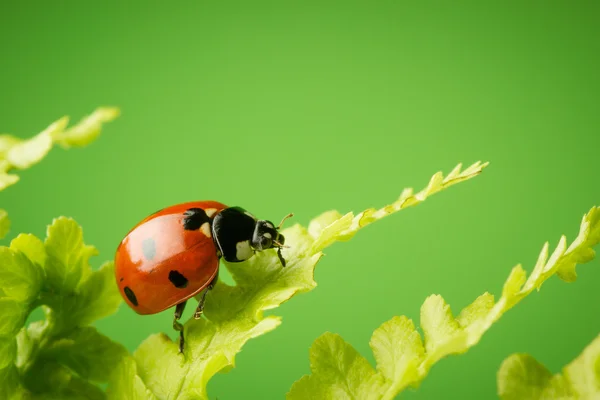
234	314
343	373
87	129
522	377
68	256
17	153
60	356
404	358
21	278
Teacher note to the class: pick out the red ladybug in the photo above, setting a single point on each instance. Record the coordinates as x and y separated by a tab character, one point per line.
173	254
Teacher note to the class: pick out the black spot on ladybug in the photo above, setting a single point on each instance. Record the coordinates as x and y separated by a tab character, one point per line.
178	280
149	248
121	280
194	218
130	295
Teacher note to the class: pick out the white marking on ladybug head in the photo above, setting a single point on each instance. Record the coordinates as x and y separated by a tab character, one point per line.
210	212
205	228
267	235
243	251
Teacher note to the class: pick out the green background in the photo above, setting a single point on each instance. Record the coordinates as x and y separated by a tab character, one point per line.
308	106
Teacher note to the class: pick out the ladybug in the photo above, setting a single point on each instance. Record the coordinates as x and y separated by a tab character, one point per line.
174	254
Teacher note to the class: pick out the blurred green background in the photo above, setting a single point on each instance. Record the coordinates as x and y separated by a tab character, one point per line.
308	106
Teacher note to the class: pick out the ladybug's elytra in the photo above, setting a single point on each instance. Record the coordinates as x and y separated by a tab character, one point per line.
173	254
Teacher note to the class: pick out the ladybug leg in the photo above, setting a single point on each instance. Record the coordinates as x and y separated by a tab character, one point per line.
200	307
177	325
281	259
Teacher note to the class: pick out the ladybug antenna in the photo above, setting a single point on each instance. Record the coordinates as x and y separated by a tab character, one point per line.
283	220
280	245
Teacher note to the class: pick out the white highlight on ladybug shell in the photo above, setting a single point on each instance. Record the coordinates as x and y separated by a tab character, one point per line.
243	251
205	228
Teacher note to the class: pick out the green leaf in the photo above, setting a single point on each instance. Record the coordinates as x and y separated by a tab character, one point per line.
583	373
6	143
58	356
68	255
10	385
80	389
167	375
522	377
160	366
87	353
57	275
97	297
126	384
477	310
235	314
24	154
12	316
50	381
19	277
7	180
339	372
28	341
88	129
46	376
20	154
4	223
31	246
8	351
398	351
443	334
402	361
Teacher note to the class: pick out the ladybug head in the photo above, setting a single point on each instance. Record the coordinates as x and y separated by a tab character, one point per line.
266	236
